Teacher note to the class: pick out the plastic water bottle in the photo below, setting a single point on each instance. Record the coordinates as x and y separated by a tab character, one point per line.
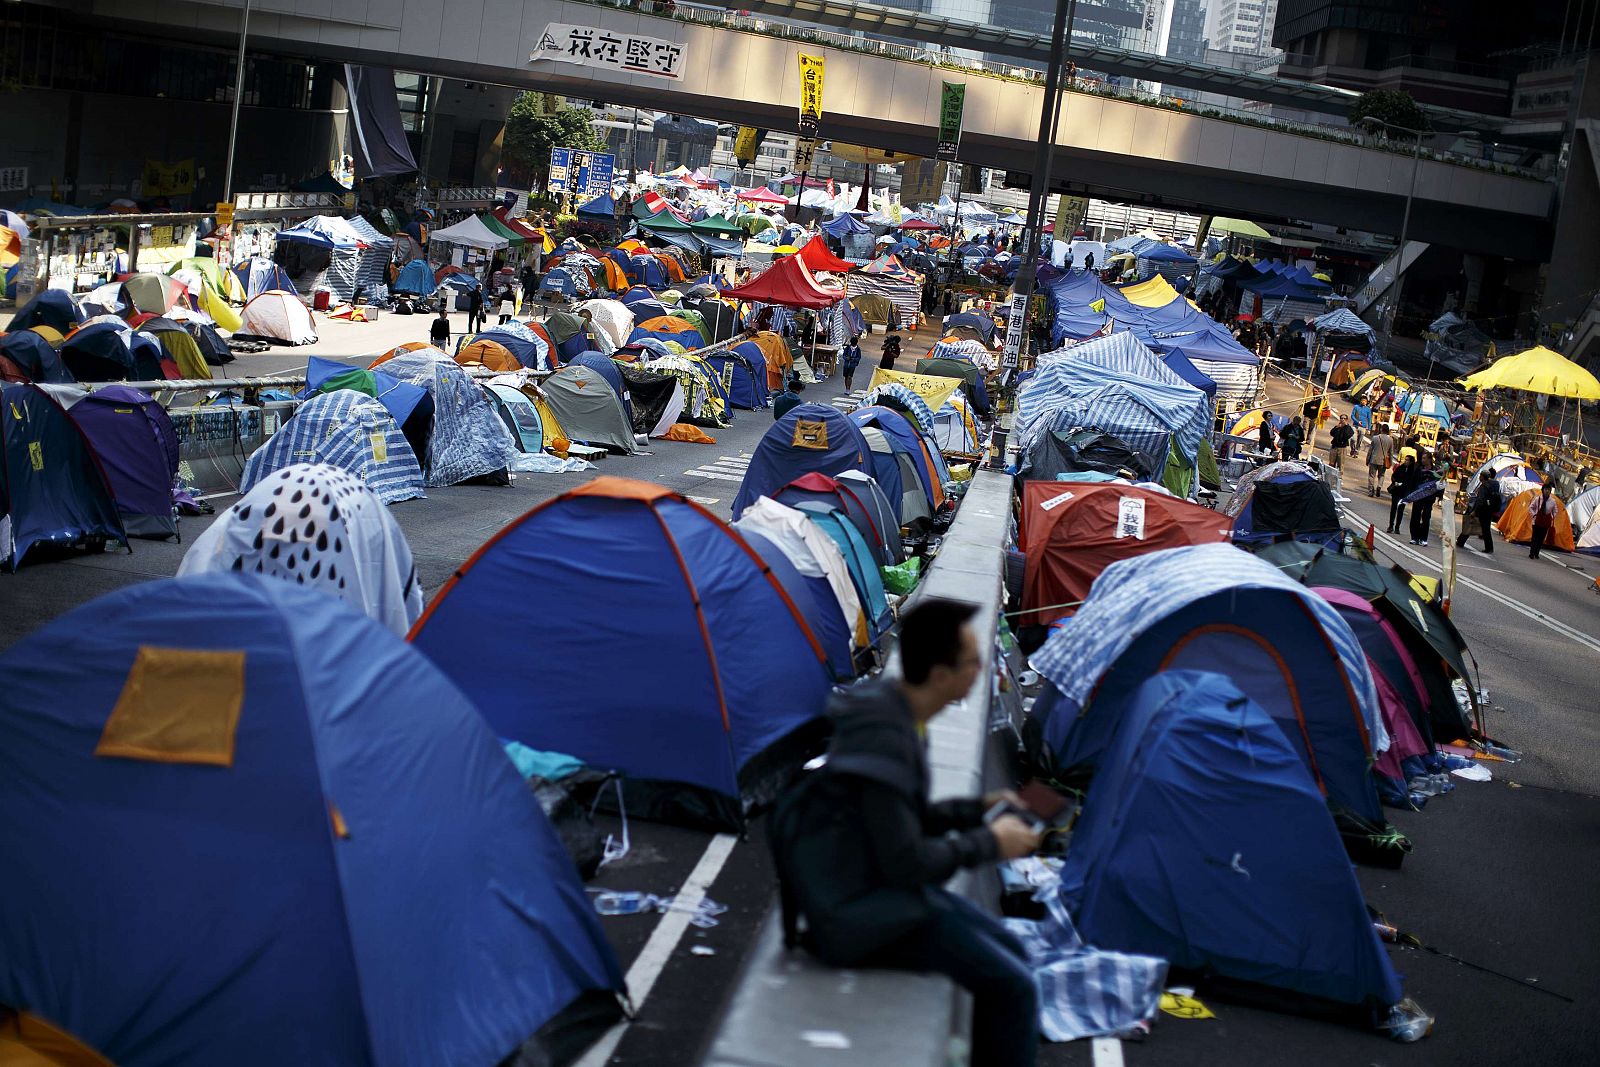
622	903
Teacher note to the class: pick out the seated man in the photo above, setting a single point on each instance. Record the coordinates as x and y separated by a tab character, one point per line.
863	855
789	398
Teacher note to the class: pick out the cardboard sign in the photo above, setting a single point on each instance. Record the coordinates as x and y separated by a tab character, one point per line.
1130	518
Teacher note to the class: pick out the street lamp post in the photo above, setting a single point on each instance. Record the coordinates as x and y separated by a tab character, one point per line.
1405	227
1044	152
238	94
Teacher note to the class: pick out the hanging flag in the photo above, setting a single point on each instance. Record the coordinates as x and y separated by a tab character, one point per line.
747	144
805	154
810	94
951	103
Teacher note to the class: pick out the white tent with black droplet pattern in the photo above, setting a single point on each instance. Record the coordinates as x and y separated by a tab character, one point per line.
317	526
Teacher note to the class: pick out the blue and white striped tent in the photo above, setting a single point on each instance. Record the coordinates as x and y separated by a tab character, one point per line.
348	430
1143	413
469	438
1215	608
902	397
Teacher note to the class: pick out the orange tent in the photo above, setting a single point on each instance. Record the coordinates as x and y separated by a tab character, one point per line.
616	280
489	354
1074	530
775	350
671	266
667	324
1516	522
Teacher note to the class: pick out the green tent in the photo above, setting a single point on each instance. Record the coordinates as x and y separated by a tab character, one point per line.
500	229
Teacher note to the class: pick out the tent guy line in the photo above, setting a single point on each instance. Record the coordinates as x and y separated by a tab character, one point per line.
1393	546
641	977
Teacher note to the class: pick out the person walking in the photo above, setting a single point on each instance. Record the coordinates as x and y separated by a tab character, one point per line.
862	854
1339	442
891	351
508	305
849	360
1292	439
439	331
1483	507
1401	483
1543	513
1422	508
1380	453
474	310
1264	437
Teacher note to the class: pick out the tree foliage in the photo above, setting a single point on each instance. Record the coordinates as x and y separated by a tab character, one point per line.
1394	106
538	122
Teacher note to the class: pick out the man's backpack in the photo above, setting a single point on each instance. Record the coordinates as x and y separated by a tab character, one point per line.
801	829
1489	497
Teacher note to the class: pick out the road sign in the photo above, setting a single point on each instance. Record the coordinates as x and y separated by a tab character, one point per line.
224	213
574	170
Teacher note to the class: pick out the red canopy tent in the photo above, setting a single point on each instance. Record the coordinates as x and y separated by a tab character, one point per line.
762	196
919	224
818	256
788	282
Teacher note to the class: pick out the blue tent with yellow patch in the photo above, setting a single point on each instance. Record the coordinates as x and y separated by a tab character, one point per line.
810	437
245	824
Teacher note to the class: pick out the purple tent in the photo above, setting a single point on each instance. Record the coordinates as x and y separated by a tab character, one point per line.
138	449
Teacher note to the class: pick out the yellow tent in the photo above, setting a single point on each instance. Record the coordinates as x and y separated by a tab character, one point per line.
1153	293
1538	370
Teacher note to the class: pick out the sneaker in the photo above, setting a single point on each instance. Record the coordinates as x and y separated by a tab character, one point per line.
1423	542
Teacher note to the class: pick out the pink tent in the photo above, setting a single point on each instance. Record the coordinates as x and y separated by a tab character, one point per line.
1404	737
762	196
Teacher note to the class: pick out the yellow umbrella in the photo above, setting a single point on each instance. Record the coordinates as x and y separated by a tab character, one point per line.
1239	227
1538	370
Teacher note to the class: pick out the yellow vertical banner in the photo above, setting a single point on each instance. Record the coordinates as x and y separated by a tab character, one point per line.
745	145
810	94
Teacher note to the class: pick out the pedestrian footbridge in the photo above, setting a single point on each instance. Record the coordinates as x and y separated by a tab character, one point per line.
1106	146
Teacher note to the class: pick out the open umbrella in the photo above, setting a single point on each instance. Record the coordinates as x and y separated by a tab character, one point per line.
1537	370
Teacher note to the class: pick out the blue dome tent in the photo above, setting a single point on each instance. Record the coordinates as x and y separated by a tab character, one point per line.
52	486
743	371
724	681
332	858
1200	607
415	277
1205	841
811	437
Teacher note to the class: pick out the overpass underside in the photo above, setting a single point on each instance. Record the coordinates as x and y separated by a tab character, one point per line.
1105	147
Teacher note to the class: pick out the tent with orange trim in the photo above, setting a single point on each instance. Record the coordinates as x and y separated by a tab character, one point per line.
1516	522
669	328
409	346
722	695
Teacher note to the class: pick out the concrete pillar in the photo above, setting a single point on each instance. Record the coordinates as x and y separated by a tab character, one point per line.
1574	270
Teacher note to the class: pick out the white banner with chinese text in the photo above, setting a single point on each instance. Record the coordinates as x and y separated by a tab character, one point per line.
591	47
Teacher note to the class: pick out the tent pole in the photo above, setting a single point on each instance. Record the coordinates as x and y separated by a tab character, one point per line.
238	94
1044	152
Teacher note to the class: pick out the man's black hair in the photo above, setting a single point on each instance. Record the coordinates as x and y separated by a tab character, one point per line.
796	385
930	636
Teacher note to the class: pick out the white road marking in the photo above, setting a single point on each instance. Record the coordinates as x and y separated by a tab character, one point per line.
641	978
704	501
1515	605
1107	1052
718	475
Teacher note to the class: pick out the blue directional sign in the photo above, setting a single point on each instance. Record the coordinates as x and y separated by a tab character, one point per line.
573	170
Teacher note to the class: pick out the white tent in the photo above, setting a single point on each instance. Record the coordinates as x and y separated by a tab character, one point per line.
278	316
469	232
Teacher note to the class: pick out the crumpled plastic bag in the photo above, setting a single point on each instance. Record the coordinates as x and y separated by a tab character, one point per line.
903	577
